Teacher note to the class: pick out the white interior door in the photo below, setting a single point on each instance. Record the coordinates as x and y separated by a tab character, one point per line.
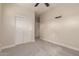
19	30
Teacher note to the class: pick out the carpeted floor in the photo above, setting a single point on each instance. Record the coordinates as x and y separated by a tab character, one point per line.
38	48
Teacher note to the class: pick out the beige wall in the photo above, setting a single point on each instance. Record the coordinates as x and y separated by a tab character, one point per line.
37	28
0	24
9	13
63	31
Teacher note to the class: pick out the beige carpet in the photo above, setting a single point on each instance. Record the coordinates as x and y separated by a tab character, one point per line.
39	48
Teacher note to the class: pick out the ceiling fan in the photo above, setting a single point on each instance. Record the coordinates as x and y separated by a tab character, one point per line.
47	4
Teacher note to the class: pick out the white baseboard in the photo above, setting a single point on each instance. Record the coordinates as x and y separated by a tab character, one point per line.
25	42
63	45
10	46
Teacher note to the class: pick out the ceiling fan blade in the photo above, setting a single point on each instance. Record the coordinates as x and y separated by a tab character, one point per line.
36	4
47	4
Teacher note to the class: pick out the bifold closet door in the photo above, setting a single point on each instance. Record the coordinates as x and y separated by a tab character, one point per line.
19	29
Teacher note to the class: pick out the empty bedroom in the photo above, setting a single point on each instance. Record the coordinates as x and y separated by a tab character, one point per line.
39	29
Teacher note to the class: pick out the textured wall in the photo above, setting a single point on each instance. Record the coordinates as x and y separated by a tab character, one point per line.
63	31
0	24
37	27
9	13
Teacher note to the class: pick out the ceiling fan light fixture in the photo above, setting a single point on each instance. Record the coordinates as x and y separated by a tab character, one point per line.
36	4
47	4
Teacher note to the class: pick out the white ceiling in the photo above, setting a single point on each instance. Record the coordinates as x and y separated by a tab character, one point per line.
41	8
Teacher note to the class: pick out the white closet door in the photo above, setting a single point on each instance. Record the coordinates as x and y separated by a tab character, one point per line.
19	30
